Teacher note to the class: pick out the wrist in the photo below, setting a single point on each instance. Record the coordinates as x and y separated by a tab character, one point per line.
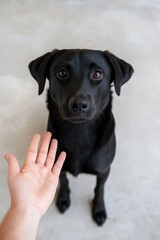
29	210
20	222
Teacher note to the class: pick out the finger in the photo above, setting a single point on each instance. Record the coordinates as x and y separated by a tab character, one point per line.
33	149
13	166
59	163
52	154
43	151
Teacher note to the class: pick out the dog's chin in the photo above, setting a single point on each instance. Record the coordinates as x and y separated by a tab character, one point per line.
77	120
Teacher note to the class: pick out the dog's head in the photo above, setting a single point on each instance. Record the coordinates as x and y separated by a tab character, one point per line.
80	80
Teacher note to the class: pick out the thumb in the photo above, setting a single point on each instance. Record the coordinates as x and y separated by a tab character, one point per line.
13	166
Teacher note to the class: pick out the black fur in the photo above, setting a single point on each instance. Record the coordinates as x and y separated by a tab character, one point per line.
80	114
75	138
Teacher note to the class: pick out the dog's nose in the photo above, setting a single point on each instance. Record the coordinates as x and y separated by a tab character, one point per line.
78	105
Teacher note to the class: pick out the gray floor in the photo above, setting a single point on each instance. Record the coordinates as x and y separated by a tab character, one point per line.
129	29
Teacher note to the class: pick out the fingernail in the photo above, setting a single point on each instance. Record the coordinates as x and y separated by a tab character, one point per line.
54	140
6	156
49	132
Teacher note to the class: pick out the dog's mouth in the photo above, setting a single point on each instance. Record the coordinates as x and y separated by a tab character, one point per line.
77	120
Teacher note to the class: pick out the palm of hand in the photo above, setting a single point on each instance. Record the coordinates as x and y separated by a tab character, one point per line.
37	181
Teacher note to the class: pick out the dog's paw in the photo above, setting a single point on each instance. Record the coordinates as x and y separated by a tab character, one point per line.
99	217
63	201
99	213
62	205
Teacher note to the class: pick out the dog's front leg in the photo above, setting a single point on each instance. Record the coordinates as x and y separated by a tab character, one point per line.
99	213
63	199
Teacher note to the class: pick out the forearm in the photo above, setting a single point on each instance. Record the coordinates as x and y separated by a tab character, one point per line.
20	223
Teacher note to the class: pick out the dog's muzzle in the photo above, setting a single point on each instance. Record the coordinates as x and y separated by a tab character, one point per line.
77	109
77	105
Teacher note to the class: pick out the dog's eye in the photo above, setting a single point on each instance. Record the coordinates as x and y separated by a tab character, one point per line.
62	74
96	74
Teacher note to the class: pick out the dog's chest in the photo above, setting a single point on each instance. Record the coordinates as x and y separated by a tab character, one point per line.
79	142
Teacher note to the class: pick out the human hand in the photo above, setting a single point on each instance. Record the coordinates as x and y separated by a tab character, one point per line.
36	182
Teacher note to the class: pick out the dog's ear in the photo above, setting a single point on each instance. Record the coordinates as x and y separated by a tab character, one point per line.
39	69
122	71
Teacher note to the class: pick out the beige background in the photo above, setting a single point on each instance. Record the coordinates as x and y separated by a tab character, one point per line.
129	29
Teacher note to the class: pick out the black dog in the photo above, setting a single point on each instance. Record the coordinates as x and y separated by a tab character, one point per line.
80	116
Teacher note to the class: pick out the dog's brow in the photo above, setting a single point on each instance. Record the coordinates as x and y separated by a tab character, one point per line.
93	65
62	64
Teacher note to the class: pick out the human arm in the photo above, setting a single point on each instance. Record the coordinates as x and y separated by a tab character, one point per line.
32	188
